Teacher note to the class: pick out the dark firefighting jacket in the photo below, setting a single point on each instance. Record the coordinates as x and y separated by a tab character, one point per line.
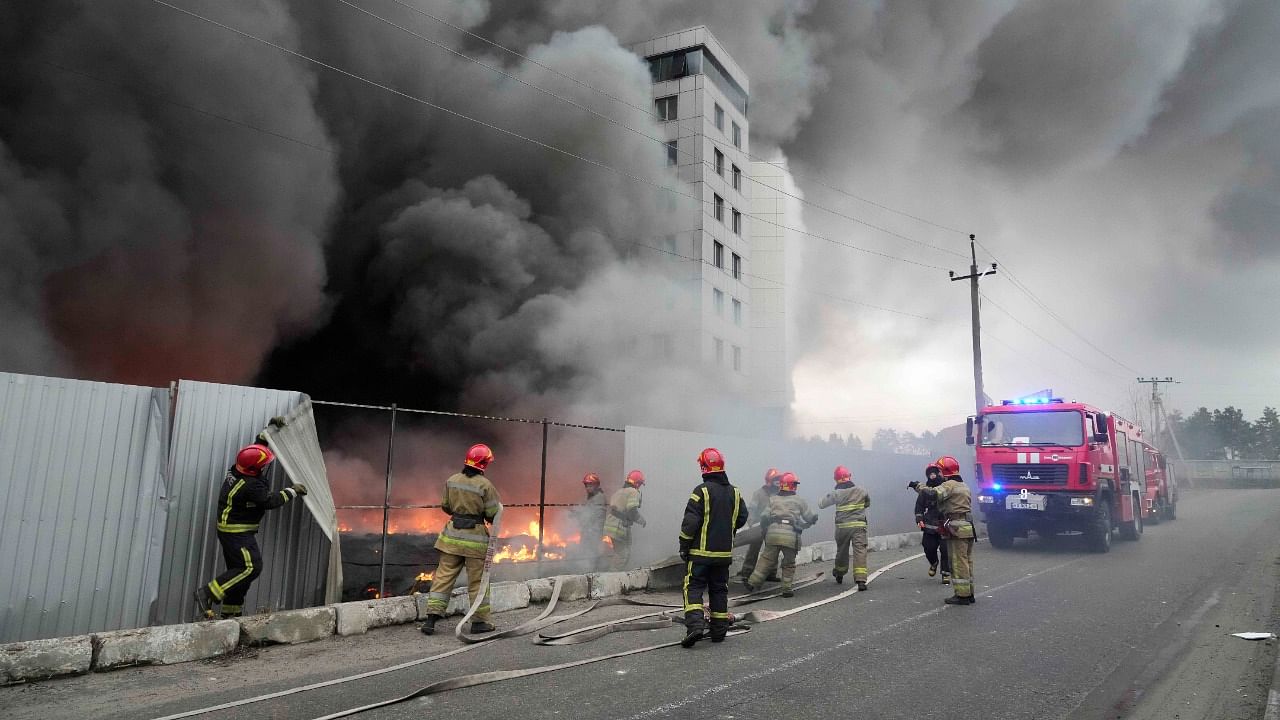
244	499
926	511
714	514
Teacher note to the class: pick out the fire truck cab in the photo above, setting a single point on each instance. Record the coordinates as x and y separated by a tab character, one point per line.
1051	467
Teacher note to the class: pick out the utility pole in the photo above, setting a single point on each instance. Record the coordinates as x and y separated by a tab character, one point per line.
1157	409
978	394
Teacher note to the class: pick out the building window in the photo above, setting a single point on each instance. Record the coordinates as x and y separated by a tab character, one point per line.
737	266
673	152
719	162
737	178
737	359
719	344
737	131
718	205
719	117
717	254
667	108
737	222
718	301
737	312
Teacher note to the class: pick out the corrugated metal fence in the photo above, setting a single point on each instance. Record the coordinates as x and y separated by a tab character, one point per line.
106	519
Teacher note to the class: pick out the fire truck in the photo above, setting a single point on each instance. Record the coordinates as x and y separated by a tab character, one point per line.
1052	467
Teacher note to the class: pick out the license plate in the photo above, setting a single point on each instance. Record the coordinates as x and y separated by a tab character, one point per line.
1030	501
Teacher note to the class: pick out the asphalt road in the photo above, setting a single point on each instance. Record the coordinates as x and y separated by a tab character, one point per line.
1057	632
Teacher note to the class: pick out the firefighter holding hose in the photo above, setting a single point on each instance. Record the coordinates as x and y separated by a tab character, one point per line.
470	500
851	504
788	515
714	513
952	498
245	498
624	512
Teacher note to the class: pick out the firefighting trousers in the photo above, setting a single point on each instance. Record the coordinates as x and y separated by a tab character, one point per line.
851	545
749	560
935	549
447	575
620	554
712	581
768	565
244	565
961	551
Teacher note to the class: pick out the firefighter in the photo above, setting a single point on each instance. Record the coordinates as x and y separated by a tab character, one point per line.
590	516
953	501
759	507
787	516
624	511
714	513
929	521
244	499
470	500
851	504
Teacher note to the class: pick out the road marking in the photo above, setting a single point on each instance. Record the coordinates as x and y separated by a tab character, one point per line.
667	708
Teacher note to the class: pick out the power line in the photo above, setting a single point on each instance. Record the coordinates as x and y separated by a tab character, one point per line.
637	131
649	111
525	138
1046	340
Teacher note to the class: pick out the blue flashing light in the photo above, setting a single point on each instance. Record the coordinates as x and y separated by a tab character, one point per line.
1031	401
997	486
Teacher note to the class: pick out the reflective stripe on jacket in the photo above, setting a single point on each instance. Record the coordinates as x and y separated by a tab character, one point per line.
467	499
788	515
712	516
244	499
851	505
624	510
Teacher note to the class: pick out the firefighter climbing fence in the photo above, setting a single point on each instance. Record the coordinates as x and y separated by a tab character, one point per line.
387	465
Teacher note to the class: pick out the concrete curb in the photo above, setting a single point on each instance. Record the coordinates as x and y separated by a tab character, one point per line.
167	644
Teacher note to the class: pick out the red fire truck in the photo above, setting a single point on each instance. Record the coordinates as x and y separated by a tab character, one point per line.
1161	500
1050	467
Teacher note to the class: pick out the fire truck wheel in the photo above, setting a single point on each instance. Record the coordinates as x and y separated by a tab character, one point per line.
1001	535
1157	512
1098	533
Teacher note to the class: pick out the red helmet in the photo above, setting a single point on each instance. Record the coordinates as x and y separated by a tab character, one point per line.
253	458
771	476
591	479
948	466
479	457
635	478
843	473
788	482
710	460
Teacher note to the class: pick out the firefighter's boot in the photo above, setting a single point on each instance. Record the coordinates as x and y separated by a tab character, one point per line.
933	569
694	624
957	600
747	584
862	586
428	626
788	592
946	578
480	626
205	601
839	577
718	630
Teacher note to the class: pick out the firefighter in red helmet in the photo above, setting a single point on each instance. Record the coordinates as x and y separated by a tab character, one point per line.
952	498
851	504
624	512
590	517
714	513
759	507
470	501
244	499
788	515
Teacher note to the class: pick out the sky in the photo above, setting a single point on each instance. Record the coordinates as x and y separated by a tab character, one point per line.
181	198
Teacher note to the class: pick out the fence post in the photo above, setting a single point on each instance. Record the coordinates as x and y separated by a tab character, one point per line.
542	490
386	506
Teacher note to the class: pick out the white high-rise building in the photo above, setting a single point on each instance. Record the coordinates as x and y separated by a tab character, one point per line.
701	96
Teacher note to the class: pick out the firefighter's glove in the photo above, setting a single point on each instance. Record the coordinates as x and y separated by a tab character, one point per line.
299	488
920	523
913	484
641	521
276	422
685	556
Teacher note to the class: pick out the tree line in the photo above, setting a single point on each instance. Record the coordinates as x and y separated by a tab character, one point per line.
1226	435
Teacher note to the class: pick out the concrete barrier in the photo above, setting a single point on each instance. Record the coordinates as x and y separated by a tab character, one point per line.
164	644
392	611
289	627
36	659
353	617
606	584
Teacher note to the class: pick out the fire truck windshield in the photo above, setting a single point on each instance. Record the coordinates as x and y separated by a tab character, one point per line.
1064	428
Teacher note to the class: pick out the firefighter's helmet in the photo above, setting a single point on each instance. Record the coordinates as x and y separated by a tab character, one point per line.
635	478
948	466
771	476
253	458
591	479
479	457
788	482
710	460
842	473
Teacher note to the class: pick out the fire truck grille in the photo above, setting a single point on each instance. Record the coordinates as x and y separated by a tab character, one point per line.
1027	474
